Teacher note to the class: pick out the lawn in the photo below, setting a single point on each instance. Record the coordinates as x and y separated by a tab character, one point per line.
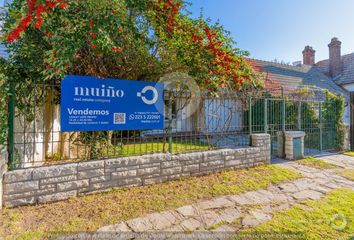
347	173
349	153
316	163
91	212
329	218
81	152
140	148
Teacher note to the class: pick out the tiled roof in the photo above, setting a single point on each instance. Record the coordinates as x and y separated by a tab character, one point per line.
295	77
348	69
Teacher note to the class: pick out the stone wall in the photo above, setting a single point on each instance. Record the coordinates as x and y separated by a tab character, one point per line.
58	182
3	169
346	142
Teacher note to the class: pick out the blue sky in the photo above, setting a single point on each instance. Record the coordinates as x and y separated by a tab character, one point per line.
280	29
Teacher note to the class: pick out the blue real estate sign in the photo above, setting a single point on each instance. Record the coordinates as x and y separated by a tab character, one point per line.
91	104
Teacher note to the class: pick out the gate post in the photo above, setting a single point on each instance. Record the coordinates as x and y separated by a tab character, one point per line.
299	116
321	126
250	119
170	122
11	120
283	115
265	115
351	106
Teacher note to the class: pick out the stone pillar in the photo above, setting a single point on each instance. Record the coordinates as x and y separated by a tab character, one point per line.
289	144
280	145
3	169
262	141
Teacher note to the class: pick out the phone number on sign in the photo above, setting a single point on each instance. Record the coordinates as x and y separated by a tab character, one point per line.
144	117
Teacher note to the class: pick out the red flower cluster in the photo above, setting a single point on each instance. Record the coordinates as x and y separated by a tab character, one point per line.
226	63
118	50
40	9
169	10
35	11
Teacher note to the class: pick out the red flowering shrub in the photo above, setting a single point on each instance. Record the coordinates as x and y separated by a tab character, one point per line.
108	37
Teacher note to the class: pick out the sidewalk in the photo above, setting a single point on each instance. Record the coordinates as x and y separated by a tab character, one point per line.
229	214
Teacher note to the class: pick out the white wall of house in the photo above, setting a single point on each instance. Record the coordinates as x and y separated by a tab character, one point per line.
183	117
53	131
29	140
39	139
223	115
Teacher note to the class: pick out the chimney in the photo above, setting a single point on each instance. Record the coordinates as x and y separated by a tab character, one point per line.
309	55
335	57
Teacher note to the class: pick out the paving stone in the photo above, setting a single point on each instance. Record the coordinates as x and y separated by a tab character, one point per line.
140	224
172	216
303	184
279	198
267	209
158	221
216	203
288	188
332	185
261	217
267	193
209	218
191	224
257	198
307	194
121	227
250	222
240	199
320	181
321	189
187	211
345	182
229	215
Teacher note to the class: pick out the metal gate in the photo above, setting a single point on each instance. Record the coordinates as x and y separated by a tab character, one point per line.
316	118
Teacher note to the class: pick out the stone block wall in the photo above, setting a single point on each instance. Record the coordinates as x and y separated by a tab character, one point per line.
346	143
59	182
3	169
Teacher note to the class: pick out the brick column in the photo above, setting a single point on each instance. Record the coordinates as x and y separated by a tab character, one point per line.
262	141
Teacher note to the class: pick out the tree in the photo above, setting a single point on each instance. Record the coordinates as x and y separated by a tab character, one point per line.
133	39
129	39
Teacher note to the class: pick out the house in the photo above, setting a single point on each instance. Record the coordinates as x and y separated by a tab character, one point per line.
340	68
335	74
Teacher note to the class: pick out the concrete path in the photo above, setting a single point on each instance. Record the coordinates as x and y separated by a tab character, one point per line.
340	160
222	217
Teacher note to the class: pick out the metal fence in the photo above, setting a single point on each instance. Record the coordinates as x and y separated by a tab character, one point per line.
315	118
191	125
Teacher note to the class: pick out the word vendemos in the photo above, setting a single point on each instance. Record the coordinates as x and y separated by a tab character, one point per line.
99	92
87	112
